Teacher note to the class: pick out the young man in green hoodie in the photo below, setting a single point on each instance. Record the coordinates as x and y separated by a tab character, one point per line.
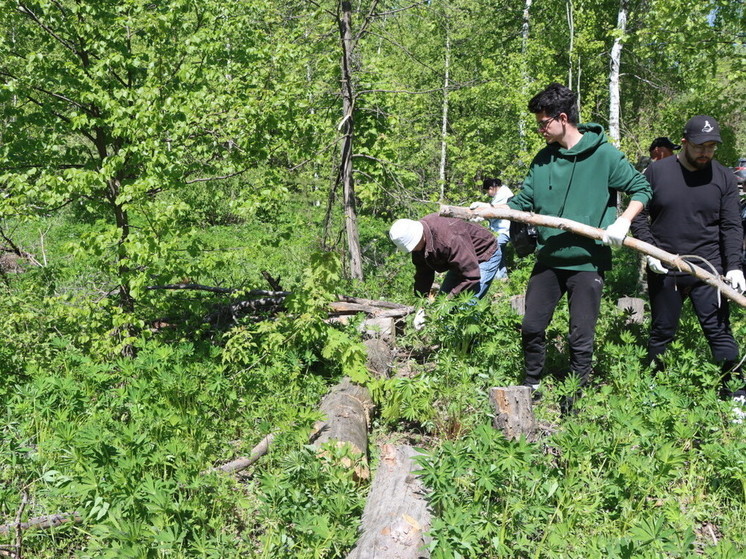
575	176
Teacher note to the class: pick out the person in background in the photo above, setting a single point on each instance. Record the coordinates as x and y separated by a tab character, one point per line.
466	251
661	148
575	176
694	211
498	194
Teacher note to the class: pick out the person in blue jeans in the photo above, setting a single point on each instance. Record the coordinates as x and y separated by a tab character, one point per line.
467	252
499	194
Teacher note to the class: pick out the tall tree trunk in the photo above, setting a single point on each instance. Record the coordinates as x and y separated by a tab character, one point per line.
616	56
347	127
525	28
444	124
571	31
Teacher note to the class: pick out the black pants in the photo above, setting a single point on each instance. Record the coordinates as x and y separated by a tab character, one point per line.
545	288
667	295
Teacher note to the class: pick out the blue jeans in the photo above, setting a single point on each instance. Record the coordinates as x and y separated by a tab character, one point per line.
487	272
502	269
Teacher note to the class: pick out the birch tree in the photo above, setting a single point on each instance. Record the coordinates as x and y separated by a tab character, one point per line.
615	65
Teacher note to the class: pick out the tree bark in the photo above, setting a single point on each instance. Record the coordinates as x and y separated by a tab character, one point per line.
348	106
673	260
514	414
444	120
396	514
526	80
616	57
347	408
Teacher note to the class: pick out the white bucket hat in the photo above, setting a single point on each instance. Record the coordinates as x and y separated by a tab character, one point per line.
406	234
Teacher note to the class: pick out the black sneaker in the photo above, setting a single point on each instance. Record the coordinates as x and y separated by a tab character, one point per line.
567	404
535	392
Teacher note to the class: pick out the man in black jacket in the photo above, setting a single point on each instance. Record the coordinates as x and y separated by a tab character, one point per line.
694	211
661	148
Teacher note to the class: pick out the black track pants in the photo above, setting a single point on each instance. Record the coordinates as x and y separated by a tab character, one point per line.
545	288
667	295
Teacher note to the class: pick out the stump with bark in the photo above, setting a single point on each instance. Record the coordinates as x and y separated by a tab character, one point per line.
635	306
514	414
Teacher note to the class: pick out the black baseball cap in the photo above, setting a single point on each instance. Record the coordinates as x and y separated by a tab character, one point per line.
701	129
663	142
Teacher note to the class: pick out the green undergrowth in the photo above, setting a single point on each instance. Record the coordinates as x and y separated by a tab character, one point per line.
649	465
127	443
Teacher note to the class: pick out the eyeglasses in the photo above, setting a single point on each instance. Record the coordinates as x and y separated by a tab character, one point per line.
543	124
701	148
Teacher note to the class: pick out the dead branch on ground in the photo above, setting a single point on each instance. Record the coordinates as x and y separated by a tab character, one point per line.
42	522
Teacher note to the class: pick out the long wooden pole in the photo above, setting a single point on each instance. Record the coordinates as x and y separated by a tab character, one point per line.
673	260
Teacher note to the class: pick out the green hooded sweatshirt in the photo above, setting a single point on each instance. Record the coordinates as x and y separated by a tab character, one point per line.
580	184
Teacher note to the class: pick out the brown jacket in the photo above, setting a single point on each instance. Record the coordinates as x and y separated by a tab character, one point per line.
452	245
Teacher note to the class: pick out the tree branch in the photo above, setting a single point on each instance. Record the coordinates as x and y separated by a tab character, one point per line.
15	249
673	260
26	10
42	522
207	179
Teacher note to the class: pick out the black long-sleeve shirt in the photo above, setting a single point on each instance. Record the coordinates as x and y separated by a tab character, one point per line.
693	212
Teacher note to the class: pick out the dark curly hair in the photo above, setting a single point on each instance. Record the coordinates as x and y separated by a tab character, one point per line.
487	183
555	99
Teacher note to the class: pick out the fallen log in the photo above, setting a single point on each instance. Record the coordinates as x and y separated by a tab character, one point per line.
675	261
347	410
371	309
221	290
260	300
374	302
396	516
43	522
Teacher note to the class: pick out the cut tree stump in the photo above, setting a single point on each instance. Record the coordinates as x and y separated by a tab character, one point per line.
396	516
514	414
347	409
635	305
383	328
518	304
380	357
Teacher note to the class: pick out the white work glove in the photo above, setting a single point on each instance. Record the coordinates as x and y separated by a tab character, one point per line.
419	319
736	280
614	234
655	265
476	206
